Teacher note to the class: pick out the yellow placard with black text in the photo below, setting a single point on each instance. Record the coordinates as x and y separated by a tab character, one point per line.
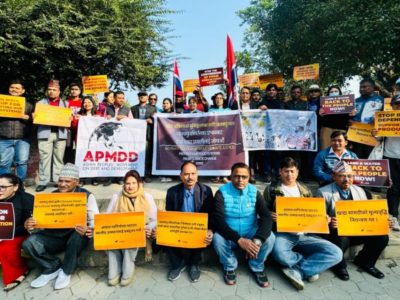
306	215
12	106
52	115
189	85
251	80
119	231
95	84
60	210
387	123
306	72
361	133
364	217
181	229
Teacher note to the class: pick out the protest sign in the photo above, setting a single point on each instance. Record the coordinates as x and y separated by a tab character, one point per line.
12	106
387	106
181	229
271	78
52	115
387	123
213	141
119	231
277	129
95	84
368	172
361	133
343	104
366	217
306	215
306	72
250	80
189	85
60	210
110	148
212	76
7	221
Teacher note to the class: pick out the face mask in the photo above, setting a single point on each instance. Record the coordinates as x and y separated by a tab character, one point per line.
334	94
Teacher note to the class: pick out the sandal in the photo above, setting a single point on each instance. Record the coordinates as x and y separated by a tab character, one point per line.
16	282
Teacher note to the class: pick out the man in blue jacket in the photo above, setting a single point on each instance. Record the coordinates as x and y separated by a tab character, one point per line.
242	220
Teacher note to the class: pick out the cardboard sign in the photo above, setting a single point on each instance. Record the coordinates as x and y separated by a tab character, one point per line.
387	123
95	84
52	115
271	78
251	80
306	215
119	231
60	210
12	106
181	229
368	172
189	85
343	104
306	72
213	76
361	133
365	217
7	221
387	106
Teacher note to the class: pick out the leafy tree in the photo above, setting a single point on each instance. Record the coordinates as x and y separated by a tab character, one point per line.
346	37
66	39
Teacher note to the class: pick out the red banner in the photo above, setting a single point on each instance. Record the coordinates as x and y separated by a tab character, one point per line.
213	76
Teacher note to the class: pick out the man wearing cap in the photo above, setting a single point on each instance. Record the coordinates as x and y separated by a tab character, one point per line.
51	140
43	244
119	110
145	111
179	102
153	102
15	136
343	189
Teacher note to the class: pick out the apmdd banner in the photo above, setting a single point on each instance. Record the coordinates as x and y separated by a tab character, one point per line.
212	141
110	148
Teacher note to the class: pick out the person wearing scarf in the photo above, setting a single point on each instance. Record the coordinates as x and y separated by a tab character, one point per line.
132	198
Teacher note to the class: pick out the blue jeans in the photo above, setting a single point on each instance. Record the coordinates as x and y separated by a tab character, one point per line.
16	151
227	258
307	254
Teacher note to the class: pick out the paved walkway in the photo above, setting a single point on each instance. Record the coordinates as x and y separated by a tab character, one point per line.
150	283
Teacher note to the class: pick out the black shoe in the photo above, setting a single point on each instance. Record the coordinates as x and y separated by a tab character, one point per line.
107	182
371	271
230	277
147	179
95	182
342	274
261	279
40	188
194	273
120	182
174	274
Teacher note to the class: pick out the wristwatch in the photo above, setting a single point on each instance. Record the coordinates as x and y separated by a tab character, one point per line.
257	242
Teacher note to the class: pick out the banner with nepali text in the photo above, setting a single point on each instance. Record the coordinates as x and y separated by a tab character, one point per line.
12	106
213	141
278	129
110	148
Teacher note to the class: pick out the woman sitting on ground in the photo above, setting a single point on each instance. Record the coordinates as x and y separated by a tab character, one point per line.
14	267
132	198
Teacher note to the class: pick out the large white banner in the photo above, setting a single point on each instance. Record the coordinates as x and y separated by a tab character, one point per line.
279	129
110	148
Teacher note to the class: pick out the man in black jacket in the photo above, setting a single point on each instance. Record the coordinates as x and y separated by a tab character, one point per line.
188	196
15	136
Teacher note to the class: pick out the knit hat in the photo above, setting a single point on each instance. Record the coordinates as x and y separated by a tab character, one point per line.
70	171
342	167
54	83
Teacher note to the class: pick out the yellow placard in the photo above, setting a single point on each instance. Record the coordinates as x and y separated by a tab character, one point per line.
60	210
251	80
361	133
189	85
95	84
387	106
182	229
12	106
119	231
271	78
306	72
52	115
387	123
365	217
306	215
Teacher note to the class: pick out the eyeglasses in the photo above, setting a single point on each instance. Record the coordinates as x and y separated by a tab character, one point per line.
4	187
343	176
153	99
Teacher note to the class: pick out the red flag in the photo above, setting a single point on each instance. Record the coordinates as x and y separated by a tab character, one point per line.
231	73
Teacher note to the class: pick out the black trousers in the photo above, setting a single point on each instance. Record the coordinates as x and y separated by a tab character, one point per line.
393	193
369	254
178	256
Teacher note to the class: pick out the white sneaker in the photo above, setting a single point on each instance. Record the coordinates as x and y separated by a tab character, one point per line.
62	281
294	277
396	226
44	279
166	179
313	278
